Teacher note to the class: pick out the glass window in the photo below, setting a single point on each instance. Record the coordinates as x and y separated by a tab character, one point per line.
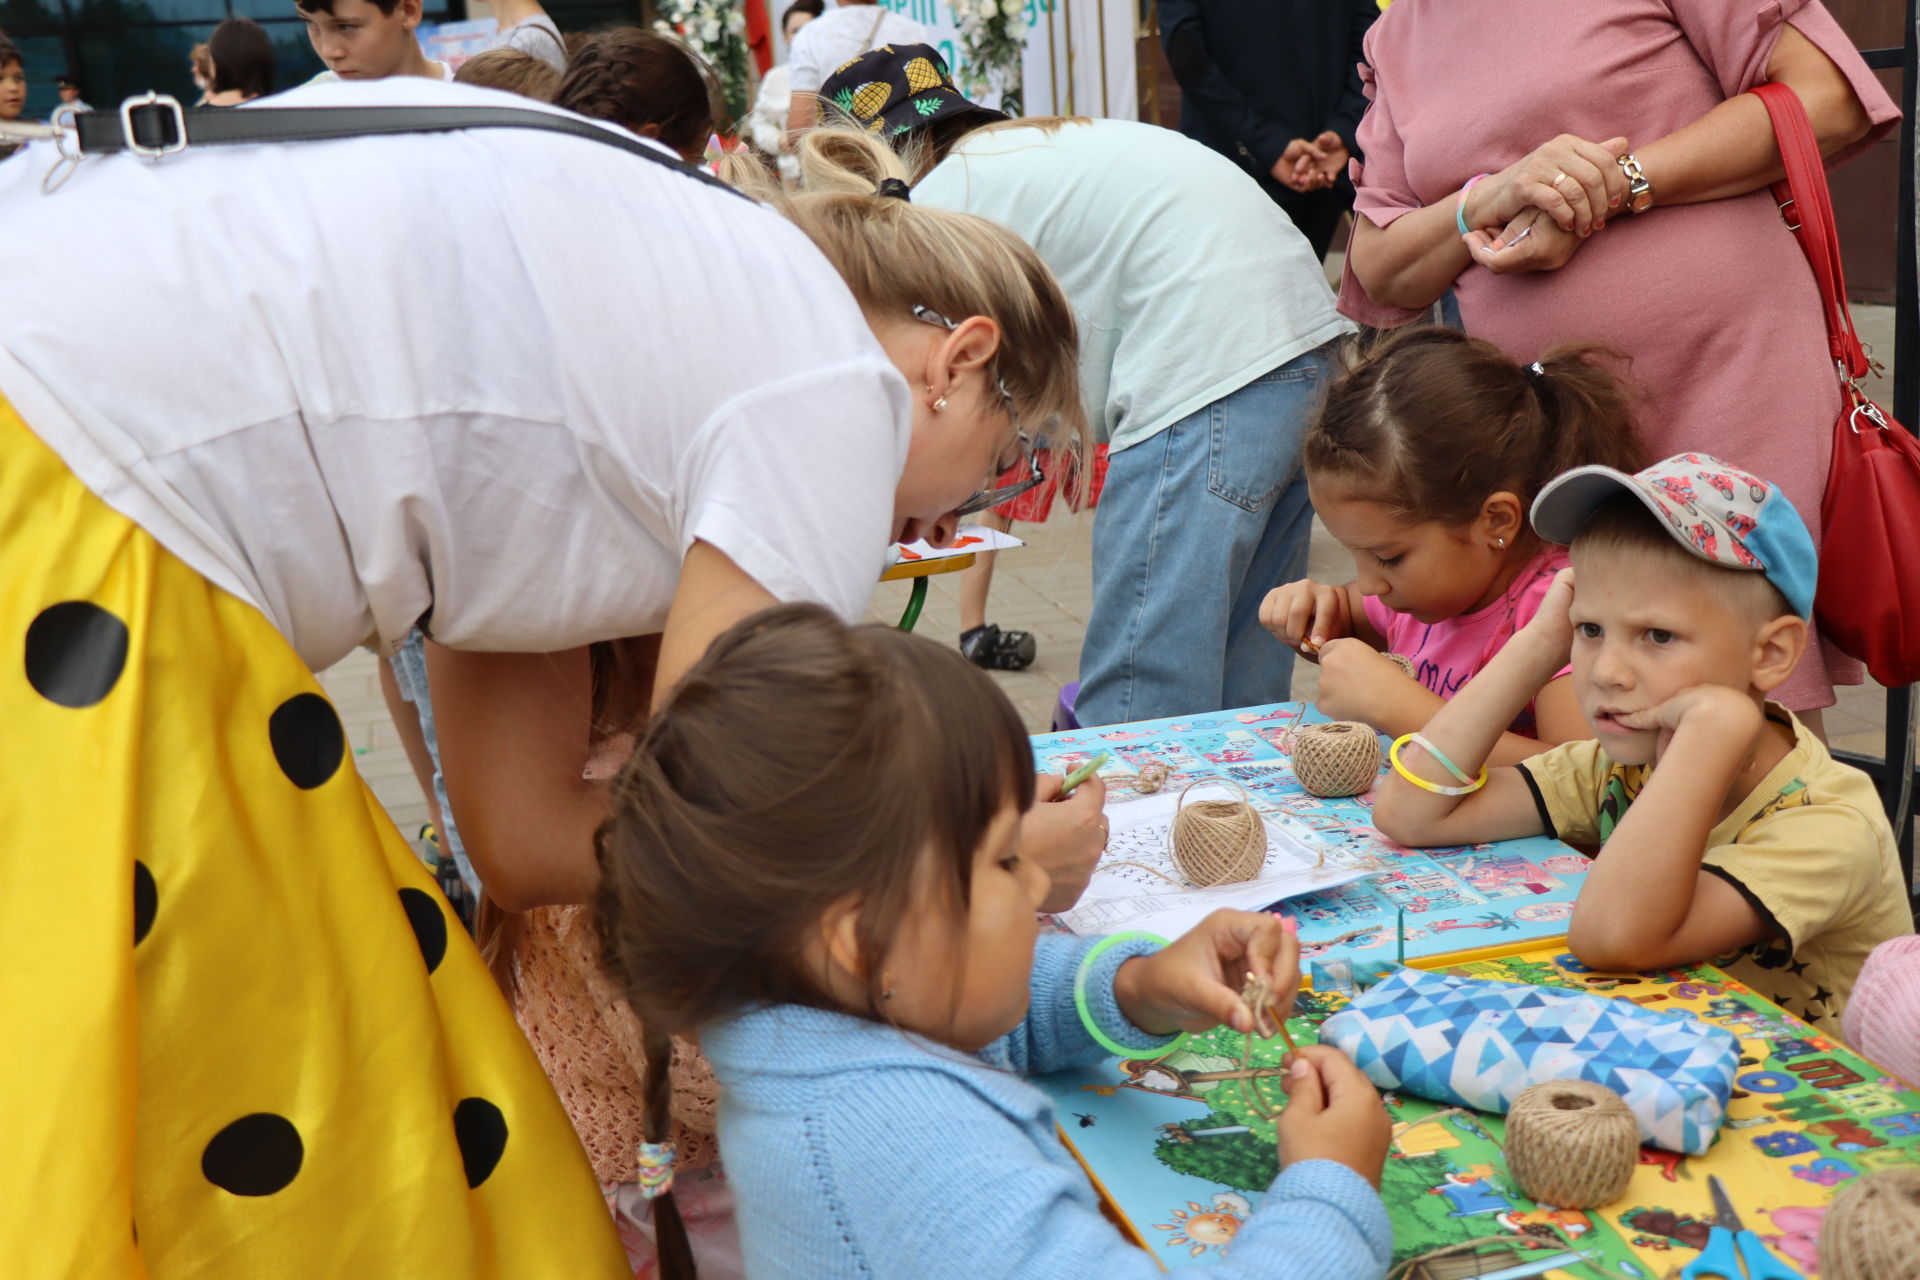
128	16
122	66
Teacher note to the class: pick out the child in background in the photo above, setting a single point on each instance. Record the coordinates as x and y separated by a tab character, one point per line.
1883	1018
1423	463
513	71
813	866
13	90
200	61
1728	829
649	83
242	56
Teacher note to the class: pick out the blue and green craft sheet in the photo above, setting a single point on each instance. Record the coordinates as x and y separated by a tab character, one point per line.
1485	899
1183	1146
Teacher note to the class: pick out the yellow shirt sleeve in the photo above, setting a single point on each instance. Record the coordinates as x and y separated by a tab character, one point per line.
1569	782
1812	867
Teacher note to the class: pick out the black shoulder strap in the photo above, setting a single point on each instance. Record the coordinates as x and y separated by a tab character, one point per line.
161	126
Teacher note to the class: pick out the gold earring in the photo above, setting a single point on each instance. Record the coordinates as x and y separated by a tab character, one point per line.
940	405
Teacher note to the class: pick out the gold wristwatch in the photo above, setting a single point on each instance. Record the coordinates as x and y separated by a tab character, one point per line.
1639	190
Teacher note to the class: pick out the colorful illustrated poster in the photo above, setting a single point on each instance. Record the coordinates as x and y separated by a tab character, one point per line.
1507	896
1183	1145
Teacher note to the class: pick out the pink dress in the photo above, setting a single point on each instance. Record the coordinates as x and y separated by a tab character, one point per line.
1714	302
1447	654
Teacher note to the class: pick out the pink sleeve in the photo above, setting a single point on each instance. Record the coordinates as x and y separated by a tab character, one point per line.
1735	39
1379	617
1882	1019
1381	193
1529	602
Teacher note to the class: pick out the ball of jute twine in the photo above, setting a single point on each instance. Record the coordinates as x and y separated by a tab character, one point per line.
1403	662
1337	759
1872	1232
1152	777
1217	841
1572	1144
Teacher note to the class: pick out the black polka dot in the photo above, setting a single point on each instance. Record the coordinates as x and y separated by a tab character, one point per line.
146	901
481	1131
256	1155
429	925
307	740
75	653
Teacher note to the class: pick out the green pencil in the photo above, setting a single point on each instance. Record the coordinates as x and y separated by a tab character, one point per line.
1081	774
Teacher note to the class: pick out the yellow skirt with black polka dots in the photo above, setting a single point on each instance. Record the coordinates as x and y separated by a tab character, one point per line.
240	1033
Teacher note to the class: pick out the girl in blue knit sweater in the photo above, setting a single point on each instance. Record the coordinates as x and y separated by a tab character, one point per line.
813	866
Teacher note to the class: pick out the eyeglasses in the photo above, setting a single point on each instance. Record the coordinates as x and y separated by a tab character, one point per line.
992	495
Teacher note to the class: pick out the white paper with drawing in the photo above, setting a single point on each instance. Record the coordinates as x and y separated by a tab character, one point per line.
1130	897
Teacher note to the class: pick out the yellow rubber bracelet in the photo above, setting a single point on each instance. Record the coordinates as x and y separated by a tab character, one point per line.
1393	756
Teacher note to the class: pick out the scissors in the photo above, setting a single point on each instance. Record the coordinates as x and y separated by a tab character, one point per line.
1733	1252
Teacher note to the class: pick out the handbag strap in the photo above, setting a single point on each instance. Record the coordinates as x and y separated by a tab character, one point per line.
157	125
1808	210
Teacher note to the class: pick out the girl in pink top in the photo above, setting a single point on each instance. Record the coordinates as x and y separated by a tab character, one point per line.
1703	287
1424	464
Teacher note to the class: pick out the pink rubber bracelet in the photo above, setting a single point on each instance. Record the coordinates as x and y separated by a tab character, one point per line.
1460	205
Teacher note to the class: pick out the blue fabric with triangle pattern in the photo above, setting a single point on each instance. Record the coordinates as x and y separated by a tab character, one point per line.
1479	1044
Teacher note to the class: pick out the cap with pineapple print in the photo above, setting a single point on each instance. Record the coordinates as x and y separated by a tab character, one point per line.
1719	512
897	89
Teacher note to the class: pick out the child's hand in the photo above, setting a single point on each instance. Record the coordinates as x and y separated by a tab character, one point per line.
1333	1113
1194	984
1065	838
1551	630
1358	682
1722	713
1306	614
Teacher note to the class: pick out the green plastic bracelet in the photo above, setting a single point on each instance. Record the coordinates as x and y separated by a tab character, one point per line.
1087	1019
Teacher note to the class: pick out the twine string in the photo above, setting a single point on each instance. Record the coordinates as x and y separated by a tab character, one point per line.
1340	758
1217	841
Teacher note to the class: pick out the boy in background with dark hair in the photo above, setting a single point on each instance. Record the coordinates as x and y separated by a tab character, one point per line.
1728	831
13	90
368	40
71	104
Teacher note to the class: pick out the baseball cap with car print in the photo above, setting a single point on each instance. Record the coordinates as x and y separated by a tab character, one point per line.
1719	512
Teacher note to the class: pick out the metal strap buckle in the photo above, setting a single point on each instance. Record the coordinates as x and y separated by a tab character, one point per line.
166	102
1787	217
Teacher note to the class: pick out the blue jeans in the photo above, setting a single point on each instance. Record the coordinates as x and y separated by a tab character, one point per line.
1194	527
410	673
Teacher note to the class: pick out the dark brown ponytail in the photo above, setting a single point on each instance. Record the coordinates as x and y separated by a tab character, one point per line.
1428	422
642	80
656	1111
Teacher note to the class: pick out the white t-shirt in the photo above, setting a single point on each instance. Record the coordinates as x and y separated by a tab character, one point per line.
1187	281
441	71
843	34
495	374
537	36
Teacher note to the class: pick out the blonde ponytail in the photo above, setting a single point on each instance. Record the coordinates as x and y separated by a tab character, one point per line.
896	255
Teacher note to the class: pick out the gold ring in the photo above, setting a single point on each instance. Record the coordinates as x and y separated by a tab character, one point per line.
1555	184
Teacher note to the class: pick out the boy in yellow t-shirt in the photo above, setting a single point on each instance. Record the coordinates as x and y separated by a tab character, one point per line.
1728	831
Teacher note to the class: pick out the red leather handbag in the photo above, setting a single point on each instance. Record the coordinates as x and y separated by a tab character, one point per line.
1868	601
